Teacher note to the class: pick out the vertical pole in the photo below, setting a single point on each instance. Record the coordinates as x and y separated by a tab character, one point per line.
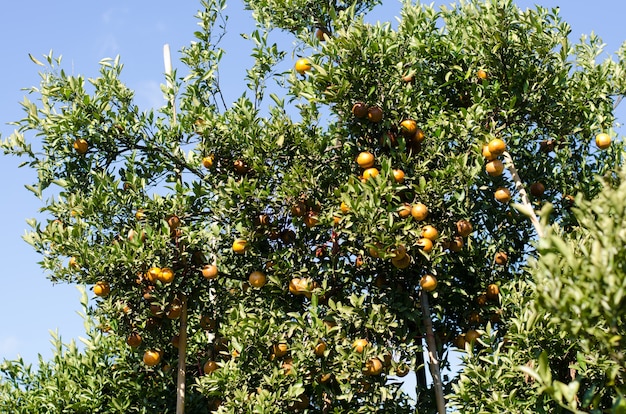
433	362
167	60
182	363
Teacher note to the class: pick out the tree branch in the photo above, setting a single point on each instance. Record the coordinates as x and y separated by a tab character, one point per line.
433	363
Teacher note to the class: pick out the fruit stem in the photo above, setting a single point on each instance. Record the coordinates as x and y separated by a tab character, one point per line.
182	351
433	364
523	194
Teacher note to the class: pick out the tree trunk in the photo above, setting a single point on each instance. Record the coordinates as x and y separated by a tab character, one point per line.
182	363
433	363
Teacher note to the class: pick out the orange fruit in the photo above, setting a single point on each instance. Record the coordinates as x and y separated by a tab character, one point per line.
209	367
80	146
73	263
311	219
153	274
493	291
209	271
503	195
375	114
365	159
257	279
140	215
373	366
359	110
302	66
456	244
472	335
428	283
501	258
173	222
496	146
494	168
398	176
430	232
408	128
239	246
344	208
419	211
101	289
404	210
166	275
481	74
320	348
419	136
464	228
487	154
359	345
537	189
173	311
402	370
207	161
280	349
425	244
401	262
151	357
603	140
370	173
134	340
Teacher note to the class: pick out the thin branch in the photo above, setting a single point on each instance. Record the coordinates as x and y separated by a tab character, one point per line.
519	186
433	360
182	351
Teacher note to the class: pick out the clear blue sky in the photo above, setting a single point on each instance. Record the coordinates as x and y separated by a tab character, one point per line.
84	32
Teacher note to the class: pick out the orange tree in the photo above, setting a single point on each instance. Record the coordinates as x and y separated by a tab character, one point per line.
301	245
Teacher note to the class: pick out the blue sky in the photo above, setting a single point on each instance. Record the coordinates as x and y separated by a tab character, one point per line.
84	32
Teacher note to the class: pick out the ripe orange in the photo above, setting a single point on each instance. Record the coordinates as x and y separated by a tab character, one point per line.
375	114
320	348
73	263
603	140
501	258
408	128
321	35
173	222
402	370
134	340
464	228
398	176
496	146
101	289
456	244
257	279
404	210
344	208
207	161
209	367
365	159
80	146
370	173
430	232
311	219
373	366
419	136
493	291
240	245
359	110
173	311
503	195
140	215
419	211
494	168
359	345
241	167
153	274
166	275
209	271
425	244
300	285
487	154
280	349
151	357
302	66
428	283
481	74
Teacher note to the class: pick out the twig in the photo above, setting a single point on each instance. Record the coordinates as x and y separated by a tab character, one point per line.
519	186
433	363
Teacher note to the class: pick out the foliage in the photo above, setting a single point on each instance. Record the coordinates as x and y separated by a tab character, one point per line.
562	350
174	188
101	376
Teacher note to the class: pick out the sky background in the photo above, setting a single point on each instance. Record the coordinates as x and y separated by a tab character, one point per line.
84	32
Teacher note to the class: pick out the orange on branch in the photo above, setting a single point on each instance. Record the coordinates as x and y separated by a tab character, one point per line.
257	279
365	159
